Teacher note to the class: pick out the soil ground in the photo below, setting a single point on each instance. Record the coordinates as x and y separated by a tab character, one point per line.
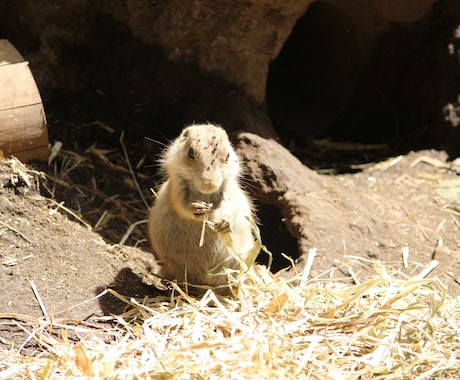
60	225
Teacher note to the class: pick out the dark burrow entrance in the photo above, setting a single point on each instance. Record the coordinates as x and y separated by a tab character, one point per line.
324	85
276	238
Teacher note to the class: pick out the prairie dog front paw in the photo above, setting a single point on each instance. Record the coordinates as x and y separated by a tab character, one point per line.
199	209
223	226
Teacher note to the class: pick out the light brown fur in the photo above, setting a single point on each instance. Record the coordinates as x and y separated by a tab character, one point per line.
202	181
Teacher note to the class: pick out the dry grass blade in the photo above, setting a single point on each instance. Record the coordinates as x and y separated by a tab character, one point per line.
61	206
130	230
39	299
133	175
16	231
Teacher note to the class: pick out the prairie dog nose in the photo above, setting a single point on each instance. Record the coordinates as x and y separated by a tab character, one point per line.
210	183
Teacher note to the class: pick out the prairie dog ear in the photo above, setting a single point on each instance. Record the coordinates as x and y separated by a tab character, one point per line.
185	132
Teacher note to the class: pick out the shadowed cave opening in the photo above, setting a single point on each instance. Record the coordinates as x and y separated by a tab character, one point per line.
322	85
276	238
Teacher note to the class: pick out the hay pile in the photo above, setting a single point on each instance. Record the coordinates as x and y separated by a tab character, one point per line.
389	326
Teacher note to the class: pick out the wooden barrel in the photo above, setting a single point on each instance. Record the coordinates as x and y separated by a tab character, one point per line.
23	131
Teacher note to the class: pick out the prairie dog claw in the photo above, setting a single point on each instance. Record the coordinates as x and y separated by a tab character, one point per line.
223	226
200	208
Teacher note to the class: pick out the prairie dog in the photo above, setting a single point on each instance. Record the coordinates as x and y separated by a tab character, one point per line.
202	184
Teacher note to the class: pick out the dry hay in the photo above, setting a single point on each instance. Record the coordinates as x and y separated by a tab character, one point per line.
389	326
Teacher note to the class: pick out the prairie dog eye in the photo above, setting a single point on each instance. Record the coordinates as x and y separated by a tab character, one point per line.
228	156
191	153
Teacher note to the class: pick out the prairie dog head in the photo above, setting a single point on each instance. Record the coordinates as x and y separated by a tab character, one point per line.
202	158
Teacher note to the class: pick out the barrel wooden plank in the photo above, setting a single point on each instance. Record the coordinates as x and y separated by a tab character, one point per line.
17	86
23	131
21	122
